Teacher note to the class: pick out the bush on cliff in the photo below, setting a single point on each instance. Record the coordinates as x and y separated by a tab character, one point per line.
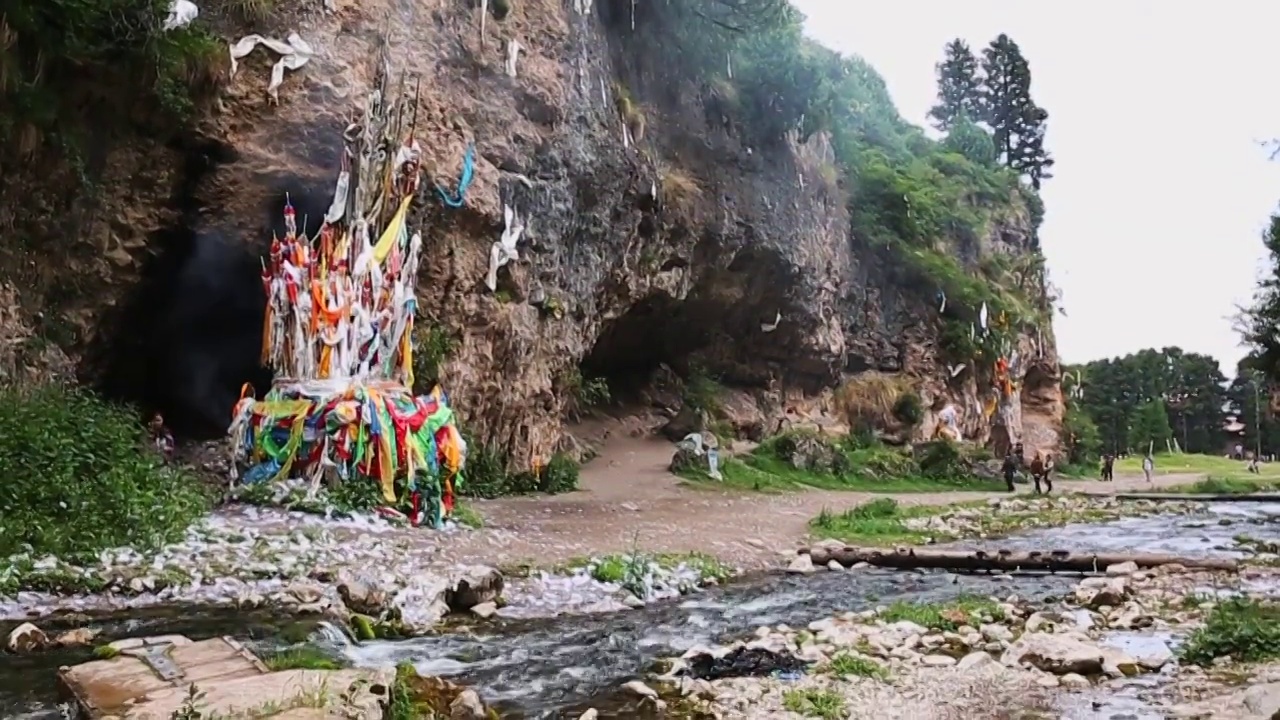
71	70
79	478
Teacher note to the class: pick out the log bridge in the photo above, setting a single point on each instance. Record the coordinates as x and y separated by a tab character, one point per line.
1002	560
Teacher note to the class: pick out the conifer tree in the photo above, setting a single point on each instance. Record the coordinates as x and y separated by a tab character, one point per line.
959	87
1017	123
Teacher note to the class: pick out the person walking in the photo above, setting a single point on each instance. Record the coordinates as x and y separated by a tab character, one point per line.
1148	466
1009	468
1108	467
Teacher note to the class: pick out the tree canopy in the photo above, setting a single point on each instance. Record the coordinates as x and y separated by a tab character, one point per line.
1154	397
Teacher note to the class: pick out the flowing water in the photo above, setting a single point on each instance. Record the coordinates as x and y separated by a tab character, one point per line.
555	667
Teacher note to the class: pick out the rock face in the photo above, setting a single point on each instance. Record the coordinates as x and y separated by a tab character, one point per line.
671	253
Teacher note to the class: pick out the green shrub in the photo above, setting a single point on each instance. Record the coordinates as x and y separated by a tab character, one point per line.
1240	628
942	459
79	478
486	474
908	409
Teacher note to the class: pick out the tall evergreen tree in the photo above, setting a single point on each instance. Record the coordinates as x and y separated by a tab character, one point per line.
1030	157
959	87
1017	123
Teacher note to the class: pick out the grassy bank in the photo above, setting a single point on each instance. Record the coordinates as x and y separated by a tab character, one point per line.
80	478
1213	465
800	461
883	522
1243	629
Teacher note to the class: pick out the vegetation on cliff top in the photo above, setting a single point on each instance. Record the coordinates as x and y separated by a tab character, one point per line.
923	204
72	73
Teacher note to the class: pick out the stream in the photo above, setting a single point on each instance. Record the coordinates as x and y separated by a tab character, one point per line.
557	667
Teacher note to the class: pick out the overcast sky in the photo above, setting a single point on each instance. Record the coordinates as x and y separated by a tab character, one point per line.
1160	191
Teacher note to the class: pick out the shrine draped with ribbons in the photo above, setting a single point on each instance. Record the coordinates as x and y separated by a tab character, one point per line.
338	332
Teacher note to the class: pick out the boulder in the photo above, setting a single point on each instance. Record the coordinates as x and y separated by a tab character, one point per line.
26	638
362	594
1059	654
473	586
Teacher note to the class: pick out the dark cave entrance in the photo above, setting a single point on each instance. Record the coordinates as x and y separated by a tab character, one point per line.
189	336
656	331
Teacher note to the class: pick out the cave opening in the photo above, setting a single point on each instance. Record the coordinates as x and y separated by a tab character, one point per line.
656	331
189	335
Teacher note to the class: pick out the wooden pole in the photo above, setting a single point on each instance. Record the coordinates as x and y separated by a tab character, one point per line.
1190	497
1052	561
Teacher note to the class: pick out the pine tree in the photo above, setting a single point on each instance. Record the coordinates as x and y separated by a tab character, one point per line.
1017	123
1007	92
1030	157
959	87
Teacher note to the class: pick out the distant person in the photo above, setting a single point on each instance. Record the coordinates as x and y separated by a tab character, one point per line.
1009	468
1253	466
1148	466
1108	467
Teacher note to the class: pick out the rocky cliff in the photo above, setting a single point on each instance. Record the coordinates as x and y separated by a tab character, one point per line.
666	239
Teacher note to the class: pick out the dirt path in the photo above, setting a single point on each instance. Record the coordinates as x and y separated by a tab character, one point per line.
629	500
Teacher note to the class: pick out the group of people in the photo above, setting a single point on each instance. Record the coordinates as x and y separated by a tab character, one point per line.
1040	469
1109	467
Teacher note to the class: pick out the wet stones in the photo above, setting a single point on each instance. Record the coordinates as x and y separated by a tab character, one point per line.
742	661
26	638
474	585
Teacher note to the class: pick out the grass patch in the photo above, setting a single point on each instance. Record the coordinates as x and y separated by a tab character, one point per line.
79	479
680	189
1242	629
466	515
815	703
634	571
302	657
800	461
969	610
844	665
1213	465
879	522
1229	486
882	522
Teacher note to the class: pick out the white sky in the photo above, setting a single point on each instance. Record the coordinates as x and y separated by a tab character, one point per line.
1160	191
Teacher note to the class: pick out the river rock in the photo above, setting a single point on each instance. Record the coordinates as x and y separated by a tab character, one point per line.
1130	617
485	609
26	638
590	714
635	687
1123	569
467	706
78	637
975	661
1073	681
421	604
801	565
474	585
362	594
938	661
1059	654
1095	593
996	632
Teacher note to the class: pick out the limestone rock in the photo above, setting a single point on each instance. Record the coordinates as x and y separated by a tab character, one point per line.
26	638
474	585
801	565
1059	654
467	706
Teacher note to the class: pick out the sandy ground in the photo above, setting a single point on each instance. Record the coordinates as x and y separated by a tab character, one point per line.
629	501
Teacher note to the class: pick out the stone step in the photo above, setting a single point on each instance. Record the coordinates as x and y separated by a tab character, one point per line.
151	679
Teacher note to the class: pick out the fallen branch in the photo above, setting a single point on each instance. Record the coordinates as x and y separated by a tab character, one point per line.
1189	497
1053	561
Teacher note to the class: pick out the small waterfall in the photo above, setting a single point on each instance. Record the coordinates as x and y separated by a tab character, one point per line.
329	635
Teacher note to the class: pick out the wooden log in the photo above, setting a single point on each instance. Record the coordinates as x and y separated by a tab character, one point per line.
1189	497
1004	560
